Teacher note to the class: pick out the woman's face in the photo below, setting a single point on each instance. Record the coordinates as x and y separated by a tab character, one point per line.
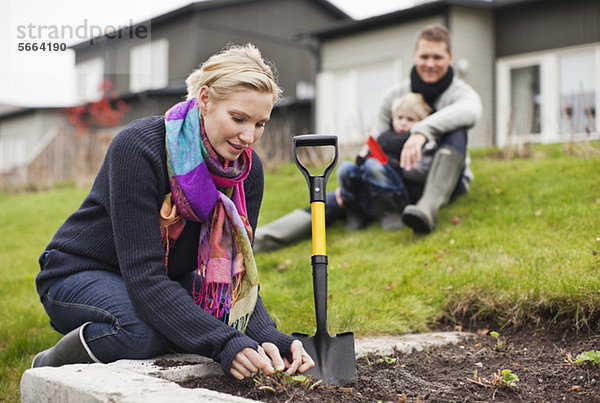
236	122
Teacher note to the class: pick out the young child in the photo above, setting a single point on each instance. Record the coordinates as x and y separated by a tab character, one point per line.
373	187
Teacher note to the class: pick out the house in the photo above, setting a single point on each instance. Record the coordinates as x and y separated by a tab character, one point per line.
150	72
535	64
148	62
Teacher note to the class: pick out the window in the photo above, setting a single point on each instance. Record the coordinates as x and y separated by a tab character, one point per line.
577	92
149	66
349	99
549	96
305	90
90	75
525	100
372	83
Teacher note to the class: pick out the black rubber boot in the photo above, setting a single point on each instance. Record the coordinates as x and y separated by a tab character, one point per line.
71	349
388	212
356	219
282	232
443	176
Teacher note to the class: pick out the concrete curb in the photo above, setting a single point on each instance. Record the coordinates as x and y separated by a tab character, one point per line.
143	381
87	383
407	343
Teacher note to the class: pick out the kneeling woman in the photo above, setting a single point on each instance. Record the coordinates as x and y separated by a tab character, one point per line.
159	253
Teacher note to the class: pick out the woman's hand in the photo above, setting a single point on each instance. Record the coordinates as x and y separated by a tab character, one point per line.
250	361
267	358
301	361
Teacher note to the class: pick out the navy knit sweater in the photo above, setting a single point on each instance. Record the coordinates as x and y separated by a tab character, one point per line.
116	229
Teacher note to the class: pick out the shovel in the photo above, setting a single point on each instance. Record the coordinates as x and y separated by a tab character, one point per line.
333	356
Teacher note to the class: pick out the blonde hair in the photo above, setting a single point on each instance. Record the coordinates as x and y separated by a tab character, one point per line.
232	69
412	102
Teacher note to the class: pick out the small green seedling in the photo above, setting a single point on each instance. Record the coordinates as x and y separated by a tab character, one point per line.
500	345
282	381
509	377
388	360
500	379
592	357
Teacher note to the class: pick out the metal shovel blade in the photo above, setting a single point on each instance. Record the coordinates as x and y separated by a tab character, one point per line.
333	356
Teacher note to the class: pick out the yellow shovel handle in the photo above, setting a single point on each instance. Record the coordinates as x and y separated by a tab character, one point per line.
318	227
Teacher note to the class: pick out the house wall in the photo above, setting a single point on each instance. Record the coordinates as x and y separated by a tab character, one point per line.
473	41
549	24
272	28
385	44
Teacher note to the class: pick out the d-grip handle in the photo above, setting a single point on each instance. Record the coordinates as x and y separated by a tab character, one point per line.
317	184
314	140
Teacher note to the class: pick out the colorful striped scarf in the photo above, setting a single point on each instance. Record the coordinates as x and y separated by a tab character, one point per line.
204	190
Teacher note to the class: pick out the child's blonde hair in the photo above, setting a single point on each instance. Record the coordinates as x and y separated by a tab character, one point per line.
412	102
234	68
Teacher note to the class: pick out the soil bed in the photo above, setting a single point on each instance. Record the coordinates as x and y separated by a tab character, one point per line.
445	374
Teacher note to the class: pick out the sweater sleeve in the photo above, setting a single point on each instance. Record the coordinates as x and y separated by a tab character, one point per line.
459	106
262	328
136	183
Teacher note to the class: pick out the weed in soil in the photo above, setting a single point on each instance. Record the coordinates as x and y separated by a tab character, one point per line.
532	367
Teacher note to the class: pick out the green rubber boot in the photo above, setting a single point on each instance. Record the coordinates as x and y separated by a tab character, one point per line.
282	232
71	349
443	176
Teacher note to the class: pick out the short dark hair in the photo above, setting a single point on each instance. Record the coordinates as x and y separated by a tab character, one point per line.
435	33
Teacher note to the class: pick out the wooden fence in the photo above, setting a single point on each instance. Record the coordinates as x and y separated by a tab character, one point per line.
67	156
63	155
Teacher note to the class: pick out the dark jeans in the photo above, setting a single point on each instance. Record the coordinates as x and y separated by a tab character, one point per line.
372	179
116	330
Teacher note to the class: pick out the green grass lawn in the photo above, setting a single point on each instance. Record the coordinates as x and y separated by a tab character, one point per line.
520	248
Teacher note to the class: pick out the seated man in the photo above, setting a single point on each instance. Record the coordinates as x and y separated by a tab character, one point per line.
457	107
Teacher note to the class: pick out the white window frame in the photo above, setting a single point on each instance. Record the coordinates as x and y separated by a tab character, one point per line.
90	76
548	62
354	131
149	65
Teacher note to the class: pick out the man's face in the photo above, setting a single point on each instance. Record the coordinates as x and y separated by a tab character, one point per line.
432	60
